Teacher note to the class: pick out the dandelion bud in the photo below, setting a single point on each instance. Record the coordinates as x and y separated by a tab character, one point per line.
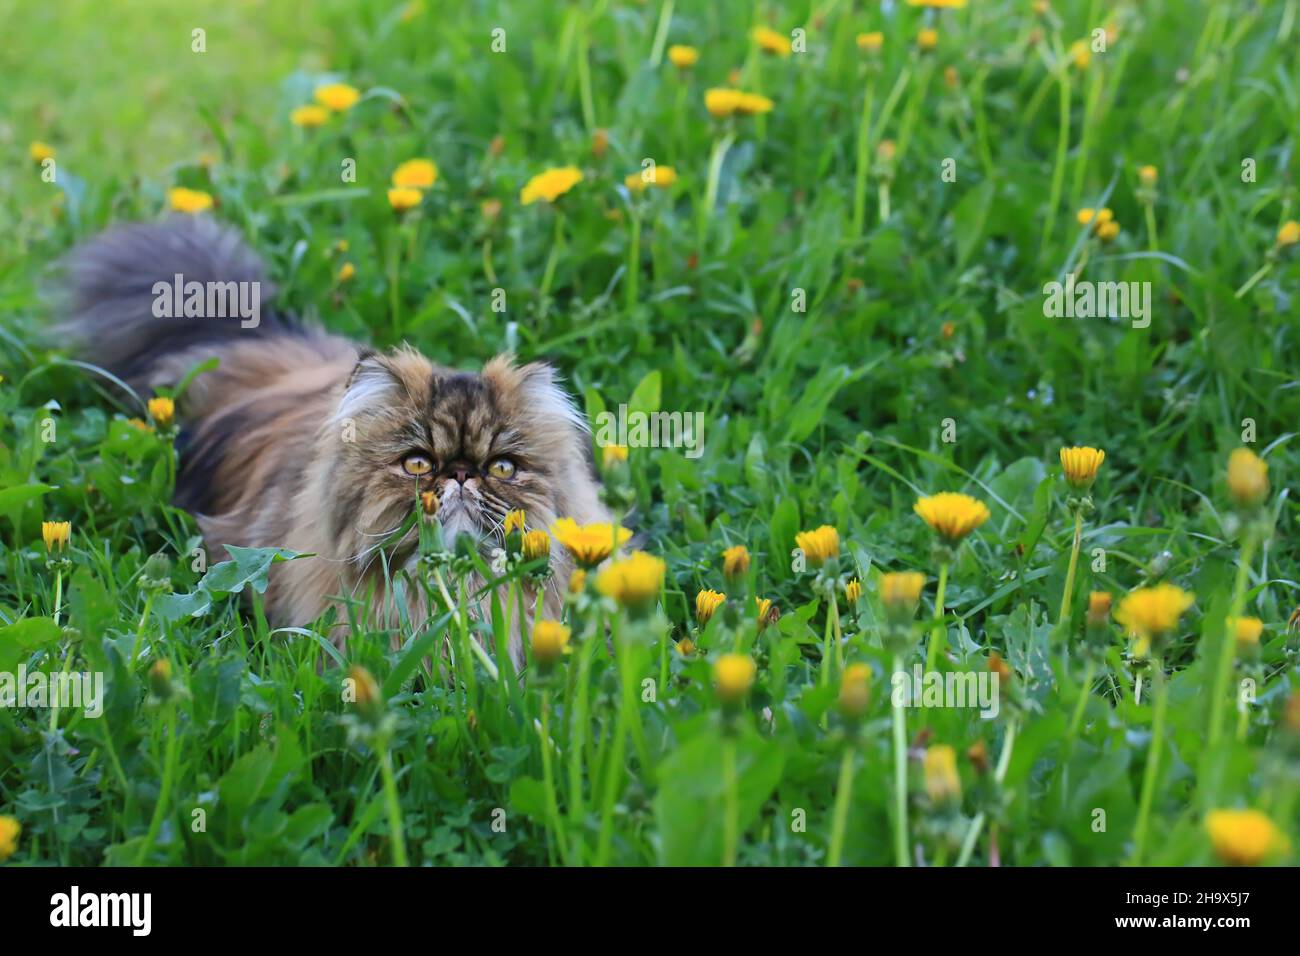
600	143
577	581
853	591
1148	175
1247	478
1099	608
685	647
162	410
942	783
429	503
978	755
550	642
1289	234
56	535
536	544
735	562
368	697
160	679
855	690
733	675
706	602
10	829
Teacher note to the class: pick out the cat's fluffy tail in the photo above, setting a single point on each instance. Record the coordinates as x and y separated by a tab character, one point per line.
127	313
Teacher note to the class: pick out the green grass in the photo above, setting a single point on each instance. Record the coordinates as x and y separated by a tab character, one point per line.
841	372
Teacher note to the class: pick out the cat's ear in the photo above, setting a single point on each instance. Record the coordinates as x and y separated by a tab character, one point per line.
539	386
373	384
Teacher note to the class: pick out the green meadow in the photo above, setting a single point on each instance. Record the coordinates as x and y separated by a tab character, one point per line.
887	263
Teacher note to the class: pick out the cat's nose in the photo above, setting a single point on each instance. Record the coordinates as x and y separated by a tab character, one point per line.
460	471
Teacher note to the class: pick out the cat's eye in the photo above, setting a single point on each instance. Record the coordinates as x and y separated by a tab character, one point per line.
502	468
417	465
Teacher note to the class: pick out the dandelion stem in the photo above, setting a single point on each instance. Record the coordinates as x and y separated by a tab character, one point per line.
548	276
58	595
614	761
731	812
164	792
1074	564
1152	239
999	776
1062	150
1253	280
634	258
1228	645
661	34
901	855
840	817
938	633
584	74
395	831
1085	687
578	727
864	159
1153	761
720	147
548	777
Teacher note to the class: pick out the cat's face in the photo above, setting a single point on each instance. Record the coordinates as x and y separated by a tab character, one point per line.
484	443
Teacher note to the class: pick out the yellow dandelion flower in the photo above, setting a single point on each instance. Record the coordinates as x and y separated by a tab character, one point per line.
309	117
514	521
1080	54
1289	234
900	591
189	201
10	829
1244	837
751	104
139	424
819	545
1080	466
1247	477
611	455
536	544
764	606
706	602
633	582
346	272
416	174
733	675
403	198
735	562
578	581
871	42
685	647
550	185
56	535
927	39
1247	631
722	102
1147	613
162	410
1099	603
1148	175
952	515
589	544
40	152
550	642
770	41
942	783
661	177
853	591
855	690
338	97
1108	231
683	57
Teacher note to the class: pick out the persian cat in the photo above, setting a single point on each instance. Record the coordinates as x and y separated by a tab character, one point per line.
304	440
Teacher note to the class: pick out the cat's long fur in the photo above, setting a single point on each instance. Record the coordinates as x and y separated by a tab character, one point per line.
296	438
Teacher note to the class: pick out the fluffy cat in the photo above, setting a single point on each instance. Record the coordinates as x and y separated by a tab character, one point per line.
305	440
